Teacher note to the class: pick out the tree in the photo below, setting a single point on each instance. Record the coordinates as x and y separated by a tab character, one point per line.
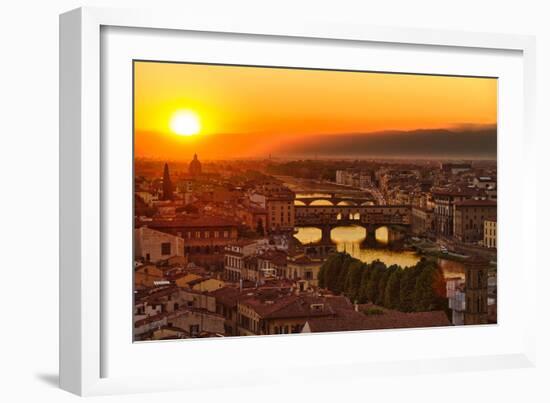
365	275
343	273
386	273
377	271
332	271
393	285
353	280
407	285
322	276
429	291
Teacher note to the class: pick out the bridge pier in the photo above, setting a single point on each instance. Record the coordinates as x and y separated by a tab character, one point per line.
371	235
325	231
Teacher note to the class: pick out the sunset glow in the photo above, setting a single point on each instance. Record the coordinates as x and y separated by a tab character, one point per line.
185	123
307	201
251	112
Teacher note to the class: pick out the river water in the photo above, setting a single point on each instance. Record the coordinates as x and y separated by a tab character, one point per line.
349	239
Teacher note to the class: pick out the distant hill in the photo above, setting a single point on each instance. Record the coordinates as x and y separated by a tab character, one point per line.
438	143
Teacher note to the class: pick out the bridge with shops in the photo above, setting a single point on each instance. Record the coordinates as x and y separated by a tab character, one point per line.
336	199
370	217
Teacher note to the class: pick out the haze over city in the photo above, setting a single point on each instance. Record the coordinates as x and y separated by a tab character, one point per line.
271	201
252	112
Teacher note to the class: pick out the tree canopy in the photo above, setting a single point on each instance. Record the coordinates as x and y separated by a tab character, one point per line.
417	288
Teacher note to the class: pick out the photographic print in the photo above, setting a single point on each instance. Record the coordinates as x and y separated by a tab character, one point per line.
276	200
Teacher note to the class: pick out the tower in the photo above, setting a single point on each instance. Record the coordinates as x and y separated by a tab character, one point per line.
476	269
167	193
195	166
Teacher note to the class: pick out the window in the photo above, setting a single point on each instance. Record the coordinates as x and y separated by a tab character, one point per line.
165	248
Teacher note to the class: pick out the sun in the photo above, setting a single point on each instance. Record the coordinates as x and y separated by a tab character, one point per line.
185	123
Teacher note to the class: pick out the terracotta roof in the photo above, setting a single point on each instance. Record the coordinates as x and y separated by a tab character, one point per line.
154	294
302	260
275	256
206	221
389	319
476	259
476	203
455	192
226	295
293	306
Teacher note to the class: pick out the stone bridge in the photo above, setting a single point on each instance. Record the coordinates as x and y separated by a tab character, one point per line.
370	217
336	200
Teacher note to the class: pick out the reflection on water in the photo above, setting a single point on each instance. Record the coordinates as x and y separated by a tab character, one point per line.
382	235
308	235
349	238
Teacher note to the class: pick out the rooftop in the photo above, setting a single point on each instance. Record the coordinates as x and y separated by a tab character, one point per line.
388	319
476	203
190	222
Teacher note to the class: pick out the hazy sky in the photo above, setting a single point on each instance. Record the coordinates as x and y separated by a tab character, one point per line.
252	112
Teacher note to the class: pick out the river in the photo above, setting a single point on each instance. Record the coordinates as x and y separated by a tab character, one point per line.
349	239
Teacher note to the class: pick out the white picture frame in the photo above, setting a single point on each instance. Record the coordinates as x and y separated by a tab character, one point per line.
88	318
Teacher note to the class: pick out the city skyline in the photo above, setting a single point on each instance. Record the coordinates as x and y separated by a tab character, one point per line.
273	201
252	112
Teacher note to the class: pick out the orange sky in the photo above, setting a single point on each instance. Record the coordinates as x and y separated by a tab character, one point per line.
250	111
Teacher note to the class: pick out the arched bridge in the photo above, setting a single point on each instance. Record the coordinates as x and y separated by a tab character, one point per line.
334	201
371	217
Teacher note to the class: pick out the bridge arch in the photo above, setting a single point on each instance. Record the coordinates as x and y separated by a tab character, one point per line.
346	203
321	202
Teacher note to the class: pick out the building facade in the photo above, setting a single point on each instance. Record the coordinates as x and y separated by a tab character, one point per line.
237	263
152	245
490	233
444	202
469	219
422	221
304	270
205	238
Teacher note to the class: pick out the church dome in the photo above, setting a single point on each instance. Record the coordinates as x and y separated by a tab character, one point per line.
195	166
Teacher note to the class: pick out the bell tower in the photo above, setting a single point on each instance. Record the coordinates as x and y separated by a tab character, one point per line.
167	193
476	269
